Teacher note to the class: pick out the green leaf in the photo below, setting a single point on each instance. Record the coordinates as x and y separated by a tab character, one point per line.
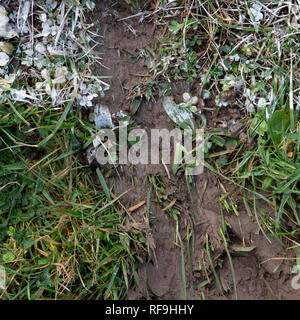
267	183
135	104
8	257
103	184
175	27
278	125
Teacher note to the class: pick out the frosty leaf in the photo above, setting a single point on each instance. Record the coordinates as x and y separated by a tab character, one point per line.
255	11
29	52
60	75
103	117
21	95
261	104
6	31
232	124
235	57
45	74
228	82
39	85
4	59
51	4
24	15
86	101
186	97
181	116
48	88
53	94
43	17
40	48
46	29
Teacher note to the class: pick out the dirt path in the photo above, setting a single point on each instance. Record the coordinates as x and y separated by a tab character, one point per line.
261	273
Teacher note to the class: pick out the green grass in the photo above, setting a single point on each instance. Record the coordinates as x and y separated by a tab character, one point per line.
61	236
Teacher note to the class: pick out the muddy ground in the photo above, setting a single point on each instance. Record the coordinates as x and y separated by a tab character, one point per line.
262	273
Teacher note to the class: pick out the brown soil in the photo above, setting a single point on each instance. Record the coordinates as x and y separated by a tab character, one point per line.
262	273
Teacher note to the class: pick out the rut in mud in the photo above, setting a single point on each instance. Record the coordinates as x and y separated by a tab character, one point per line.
261	273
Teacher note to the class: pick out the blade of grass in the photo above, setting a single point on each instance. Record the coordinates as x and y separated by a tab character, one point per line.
103	184
213	267
58	125
230	261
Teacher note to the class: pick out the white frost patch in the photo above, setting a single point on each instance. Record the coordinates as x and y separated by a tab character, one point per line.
6	31
4	59
256	11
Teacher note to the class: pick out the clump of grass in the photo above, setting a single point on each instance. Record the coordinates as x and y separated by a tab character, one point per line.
60	236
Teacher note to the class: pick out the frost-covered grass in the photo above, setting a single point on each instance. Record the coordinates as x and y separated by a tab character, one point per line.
51	57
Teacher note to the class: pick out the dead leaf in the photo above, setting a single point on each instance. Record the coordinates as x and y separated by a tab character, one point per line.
238	248
170	205
133	208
